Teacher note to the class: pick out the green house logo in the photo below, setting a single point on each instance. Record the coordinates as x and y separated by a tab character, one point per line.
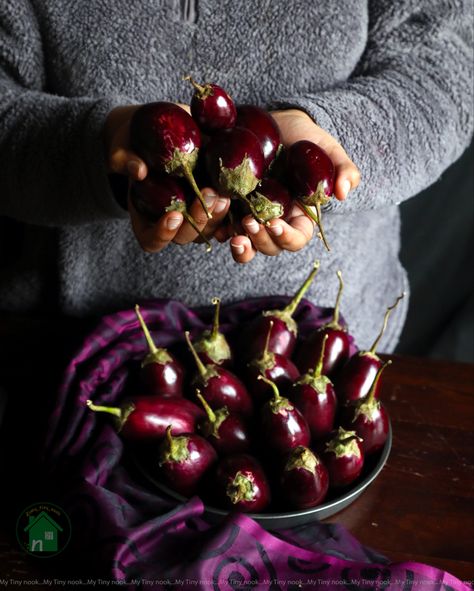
43	530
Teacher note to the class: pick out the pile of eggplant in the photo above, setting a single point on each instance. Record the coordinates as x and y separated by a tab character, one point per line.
236	150
259	418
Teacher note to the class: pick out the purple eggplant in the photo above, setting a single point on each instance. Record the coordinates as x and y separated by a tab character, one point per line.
304	480
184	460
168	139
270	200
262	124
212	346
211	107
343	458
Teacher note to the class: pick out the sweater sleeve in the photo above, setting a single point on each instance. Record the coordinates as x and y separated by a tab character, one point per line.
406	113
51	147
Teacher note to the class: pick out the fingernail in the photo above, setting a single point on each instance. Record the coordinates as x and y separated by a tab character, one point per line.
276	229
346	187
209	198
173	223
238	248
252	226
133	168
220	205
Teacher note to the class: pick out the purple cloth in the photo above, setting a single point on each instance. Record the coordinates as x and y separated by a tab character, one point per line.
135	535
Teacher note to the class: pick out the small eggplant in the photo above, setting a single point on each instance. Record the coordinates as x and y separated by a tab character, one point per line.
161	373
283	426
304	480
234	161
337	349
241	484
369	419
159	194
147	417
262	124
285	330
343	458
278	368
314	396
270	200
357	376
312	176
211	107
220	387
212	346
184	460
168	139
226	432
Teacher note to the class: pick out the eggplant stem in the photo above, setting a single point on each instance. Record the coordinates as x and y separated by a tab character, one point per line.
319	365
267	340
335	317
290	309
211	415
197	86
169	435
113	410
276	393
192	181
316	217
371	395
151	345
215	326
200	365
384	325
189	218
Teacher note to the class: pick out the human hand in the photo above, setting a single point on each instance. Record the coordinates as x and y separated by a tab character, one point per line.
171	227
294	125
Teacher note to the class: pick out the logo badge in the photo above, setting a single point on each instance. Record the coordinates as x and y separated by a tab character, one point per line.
43	530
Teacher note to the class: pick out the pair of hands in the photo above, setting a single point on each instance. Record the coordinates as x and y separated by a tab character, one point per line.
293	235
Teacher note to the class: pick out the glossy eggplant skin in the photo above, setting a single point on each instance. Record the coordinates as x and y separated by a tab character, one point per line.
184	476
225	389
262	124
284	430
357	376
283	372
152	196
241	467
336	352
163	379
158	129
213	109
372	429
318	408
282	340
302	487
311	172
152	415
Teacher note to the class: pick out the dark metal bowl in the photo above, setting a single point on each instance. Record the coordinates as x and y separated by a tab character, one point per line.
281	520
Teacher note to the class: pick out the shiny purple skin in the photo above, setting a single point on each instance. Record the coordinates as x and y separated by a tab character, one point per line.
184	476
213	109
336	352
357	376
225	389
284	430
277	194
163	379
228	149
250	468
282	339
153	414
345	469
158	129
155	193
284	372
302	488
310	171
318	408
373	430
262	124
233	437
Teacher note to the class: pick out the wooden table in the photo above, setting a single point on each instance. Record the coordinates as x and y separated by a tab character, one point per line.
420	508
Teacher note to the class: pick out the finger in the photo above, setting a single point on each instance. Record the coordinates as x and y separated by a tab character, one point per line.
293	235
196	211
242	249
261	239
153	237
126	162
219	212
347	173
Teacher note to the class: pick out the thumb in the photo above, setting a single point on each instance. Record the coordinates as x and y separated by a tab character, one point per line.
125	162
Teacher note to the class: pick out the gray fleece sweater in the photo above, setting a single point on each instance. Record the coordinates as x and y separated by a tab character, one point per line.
392	81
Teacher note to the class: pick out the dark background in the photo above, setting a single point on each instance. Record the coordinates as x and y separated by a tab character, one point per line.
437	250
